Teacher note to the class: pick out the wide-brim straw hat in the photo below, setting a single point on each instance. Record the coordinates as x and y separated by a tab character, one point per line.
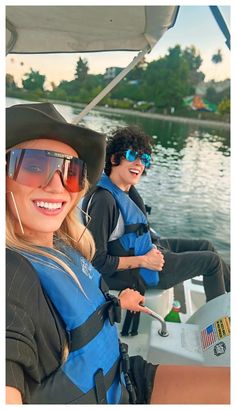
41	120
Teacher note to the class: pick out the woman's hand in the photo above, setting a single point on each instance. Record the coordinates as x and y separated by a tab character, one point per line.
153	260
131	299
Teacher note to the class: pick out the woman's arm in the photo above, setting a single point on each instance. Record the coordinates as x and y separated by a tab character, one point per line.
153	260
13	395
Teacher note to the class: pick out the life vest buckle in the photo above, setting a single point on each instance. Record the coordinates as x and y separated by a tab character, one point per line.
114	310
143	228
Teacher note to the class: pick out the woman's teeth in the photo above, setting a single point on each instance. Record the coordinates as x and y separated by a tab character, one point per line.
134	171
49	205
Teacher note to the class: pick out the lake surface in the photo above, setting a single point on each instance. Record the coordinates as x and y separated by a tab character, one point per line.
188	185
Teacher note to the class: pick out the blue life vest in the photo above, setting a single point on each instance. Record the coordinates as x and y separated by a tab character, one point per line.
91	374
136	238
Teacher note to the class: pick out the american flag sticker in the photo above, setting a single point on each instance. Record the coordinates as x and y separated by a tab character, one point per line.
208	336
215	331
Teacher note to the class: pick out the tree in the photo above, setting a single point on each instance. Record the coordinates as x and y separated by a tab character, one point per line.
82	69
173	77
33	81
194	61
217	96
166	79
224	107
53	85
136	74
217	58
10	82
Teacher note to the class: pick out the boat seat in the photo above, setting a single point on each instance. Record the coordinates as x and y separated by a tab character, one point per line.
159	300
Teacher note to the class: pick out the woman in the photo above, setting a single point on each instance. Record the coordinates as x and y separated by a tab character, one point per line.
62	344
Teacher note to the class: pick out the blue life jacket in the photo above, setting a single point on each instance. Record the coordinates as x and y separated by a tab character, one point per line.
91	374
136	239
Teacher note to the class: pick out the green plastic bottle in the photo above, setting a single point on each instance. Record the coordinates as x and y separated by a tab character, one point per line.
173	315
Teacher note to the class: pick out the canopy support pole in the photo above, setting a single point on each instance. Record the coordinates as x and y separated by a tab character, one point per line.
13	38
111	85
221	23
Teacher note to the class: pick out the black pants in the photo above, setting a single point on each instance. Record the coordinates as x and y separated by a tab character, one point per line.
187	258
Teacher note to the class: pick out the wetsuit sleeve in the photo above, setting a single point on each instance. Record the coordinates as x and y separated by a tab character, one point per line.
104	216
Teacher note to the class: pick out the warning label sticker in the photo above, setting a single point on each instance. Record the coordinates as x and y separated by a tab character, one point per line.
215	331
223	327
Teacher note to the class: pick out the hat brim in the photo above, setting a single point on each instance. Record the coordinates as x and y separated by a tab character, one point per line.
25	123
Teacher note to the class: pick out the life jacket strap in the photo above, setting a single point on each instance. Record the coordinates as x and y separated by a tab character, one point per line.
100	389
125	363
138	228
82	335
97	395
59	389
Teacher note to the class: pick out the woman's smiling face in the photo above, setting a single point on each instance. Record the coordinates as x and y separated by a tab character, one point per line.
41	210
127	173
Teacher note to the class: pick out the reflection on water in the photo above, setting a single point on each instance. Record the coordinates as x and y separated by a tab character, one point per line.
188	185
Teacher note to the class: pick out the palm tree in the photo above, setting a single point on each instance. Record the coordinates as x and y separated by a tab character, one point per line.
217	58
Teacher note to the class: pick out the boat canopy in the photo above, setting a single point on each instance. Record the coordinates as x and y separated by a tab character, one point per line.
77	29
64	29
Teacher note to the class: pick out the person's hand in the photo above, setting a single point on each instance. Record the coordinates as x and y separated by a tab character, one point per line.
153	260
131	299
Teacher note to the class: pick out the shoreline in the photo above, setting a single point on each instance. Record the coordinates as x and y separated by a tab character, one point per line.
163	117
154	116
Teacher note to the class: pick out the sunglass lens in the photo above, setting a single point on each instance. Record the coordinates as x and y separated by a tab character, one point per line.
131	155
77	172
27	167
146	160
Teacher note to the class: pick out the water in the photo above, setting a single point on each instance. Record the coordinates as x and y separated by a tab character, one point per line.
188	185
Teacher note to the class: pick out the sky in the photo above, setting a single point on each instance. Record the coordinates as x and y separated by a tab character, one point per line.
195	25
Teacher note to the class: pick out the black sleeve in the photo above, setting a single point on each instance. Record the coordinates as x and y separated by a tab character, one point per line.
104	216
35	335
21	348
138	200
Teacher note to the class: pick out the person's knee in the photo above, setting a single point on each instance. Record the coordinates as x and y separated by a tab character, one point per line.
213	263
207	245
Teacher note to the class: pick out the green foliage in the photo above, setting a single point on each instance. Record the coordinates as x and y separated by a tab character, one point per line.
217	58
138	71
10	83
167	79
216	97
59	94
33	81
81	70
224	107
159	86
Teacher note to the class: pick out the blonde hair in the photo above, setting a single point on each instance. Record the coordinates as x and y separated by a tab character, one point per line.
72	232
69	232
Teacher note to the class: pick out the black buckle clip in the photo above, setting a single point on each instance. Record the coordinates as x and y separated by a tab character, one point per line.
142	229
114	310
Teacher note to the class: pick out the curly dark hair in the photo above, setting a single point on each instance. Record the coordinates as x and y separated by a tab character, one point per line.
122	139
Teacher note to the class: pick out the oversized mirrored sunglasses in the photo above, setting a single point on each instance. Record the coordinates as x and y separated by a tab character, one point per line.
131	156
35	168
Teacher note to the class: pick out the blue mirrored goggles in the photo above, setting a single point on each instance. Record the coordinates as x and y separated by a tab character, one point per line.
131	156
